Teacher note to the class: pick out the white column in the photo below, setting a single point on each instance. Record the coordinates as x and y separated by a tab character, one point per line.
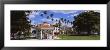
53	33
63	32
41	34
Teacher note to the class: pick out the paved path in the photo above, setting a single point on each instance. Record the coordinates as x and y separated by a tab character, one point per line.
43	39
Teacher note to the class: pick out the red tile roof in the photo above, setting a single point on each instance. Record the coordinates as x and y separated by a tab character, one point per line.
45	25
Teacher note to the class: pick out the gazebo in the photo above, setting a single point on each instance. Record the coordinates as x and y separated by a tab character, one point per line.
45	27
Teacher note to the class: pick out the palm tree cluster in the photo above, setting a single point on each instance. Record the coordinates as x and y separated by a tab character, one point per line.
50	16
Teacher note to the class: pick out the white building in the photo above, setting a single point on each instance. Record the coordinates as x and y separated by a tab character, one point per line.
56	29
46	30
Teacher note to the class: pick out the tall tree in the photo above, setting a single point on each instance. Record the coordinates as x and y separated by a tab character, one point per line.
62	19
48	17
45	12
52	19
86	21
59	24
68	21
56	20
71	23
41	15
51	15
65	21
19	21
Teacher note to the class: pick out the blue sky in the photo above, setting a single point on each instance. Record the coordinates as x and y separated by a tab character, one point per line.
36	18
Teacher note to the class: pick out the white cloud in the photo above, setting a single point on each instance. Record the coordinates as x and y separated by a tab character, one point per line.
33	14
75	14
72	15
32	22
56	18
63	24
26	13
65	11
68	16
69	25
44	19
54	22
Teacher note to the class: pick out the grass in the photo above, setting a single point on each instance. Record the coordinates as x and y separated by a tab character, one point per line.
90	37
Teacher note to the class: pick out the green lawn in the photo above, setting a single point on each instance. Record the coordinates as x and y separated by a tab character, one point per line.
90	37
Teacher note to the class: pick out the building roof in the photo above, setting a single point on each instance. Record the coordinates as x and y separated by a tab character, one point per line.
45	25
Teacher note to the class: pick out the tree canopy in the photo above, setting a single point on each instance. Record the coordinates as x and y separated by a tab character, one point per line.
87	22
19	21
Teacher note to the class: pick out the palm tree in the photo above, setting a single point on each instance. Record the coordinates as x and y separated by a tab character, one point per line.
51	15
71	23
48	17
52	19
65	21
59	22
56	20
68	21
59	25
41	15
62	19
45	12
